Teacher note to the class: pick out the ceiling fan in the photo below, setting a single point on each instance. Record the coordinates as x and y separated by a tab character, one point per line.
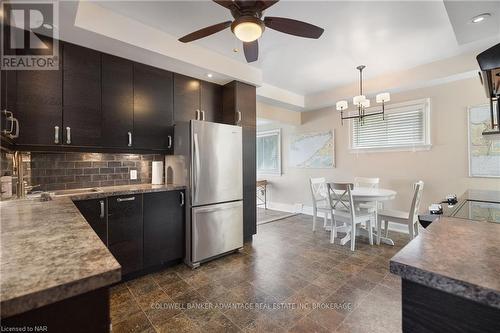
248	25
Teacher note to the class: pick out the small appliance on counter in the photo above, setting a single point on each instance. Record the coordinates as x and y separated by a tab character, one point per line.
436	209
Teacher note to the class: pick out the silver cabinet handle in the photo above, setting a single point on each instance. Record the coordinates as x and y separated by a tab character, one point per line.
182	199
125	199
56	134
169	141
239	118
68	135
102	209
197	114
9	117
15	136
129	139
202	115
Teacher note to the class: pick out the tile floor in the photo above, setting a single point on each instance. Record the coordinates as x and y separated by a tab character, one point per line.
300	282
269	215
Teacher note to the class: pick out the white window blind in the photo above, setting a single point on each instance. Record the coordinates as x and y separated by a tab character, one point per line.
269	152
405	125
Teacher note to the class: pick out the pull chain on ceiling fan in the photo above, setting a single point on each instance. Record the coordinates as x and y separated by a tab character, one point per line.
248	25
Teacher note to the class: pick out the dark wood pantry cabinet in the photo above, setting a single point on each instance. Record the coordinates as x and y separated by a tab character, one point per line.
153	108
82	116
163	227
239	108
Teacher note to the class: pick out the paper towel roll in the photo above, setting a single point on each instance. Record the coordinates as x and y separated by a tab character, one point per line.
157	173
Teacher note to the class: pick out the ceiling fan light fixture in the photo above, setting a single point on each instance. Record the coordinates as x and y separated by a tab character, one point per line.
247	29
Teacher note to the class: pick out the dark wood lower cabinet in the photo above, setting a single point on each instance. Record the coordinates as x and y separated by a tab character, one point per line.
163	227
125	233
84	313
433	311
94	211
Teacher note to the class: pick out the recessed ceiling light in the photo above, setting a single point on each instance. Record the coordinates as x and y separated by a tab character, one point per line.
209	75
480	18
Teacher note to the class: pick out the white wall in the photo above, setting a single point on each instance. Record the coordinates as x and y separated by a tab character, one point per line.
444	168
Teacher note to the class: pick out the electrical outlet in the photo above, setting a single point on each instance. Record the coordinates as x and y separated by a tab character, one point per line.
133	174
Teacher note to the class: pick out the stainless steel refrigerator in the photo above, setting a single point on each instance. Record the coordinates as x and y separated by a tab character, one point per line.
212	155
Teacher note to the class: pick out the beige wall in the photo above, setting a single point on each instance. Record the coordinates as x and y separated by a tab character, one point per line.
443	168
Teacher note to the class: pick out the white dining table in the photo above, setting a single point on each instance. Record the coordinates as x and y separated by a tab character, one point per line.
368	194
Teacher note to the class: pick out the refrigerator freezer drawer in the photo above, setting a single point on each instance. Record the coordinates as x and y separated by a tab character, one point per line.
216	229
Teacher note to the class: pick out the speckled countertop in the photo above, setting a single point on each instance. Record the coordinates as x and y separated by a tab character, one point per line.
458	256
50	253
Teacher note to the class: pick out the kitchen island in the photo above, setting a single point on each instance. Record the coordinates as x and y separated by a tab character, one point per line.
451	277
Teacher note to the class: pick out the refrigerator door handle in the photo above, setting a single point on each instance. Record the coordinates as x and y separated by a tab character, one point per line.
196	167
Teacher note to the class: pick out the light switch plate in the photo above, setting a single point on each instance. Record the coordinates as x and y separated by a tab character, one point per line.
133	174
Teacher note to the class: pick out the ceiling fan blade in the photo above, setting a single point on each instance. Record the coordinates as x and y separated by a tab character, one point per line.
205	32
251	50
293	27
225	3
265	4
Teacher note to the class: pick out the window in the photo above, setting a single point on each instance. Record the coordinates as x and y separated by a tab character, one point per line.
404	127
269	152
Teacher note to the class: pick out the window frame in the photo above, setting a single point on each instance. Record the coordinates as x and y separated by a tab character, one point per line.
271	132
395	108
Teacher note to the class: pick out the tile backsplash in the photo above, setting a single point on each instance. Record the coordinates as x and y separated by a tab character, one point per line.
59	171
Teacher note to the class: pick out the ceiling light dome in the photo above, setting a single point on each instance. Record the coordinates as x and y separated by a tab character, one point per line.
247	29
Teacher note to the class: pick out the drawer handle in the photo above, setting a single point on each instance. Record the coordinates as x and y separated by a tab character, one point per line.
102	209
239	118
125	199
68	135
169	142
202	115
129	139
182	199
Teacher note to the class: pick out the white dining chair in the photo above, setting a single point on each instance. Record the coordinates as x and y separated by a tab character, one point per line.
319	200
371	206
343	209
366	182
409	218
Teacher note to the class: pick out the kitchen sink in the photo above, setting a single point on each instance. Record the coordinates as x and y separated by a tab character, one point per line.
77	191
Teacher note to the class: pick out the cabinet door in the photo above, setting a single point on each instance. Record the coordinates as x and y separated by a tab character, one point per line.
117	102
82	96
186	98
153	108
246	104
249	182
211	101
94	211
163	227
125	233
35	99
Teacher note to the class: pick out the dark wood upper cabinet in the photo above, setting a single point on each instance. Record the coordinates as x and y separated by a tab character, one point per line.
186	98
82	125
35	99
211	101
196	99
117	102
163	228
239	104
94	211
125	231
153	108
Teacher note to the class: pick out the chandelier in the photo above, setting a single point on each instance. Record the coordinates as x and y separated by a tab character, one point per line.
361	102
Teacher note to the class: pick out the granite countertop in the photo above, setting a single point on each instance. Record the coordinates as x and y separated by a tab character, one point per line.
124	190
457	256
49	252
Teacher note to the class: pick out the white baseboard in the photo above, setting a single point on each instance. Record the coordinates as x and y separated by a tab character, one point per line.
308	210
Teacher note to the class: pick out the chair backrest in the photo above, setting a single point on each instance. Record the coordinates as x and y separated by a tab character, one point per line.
318	189
366	182
418	189
340	196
